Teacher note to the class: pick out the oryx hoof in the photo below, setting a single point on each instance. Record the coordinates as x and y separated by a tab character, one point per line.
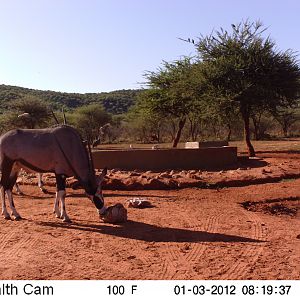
7	217
43	190
18	218
66	220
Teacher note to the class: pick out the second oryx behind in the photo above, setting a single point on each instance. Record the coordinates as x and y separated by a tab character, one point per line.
40	185
59	150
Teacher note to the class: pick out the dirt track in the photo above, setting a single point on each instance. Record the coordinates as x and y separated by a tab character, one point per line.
189	234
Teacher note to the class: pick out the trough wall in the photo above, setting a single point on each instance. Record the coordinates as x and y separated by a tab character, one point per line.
162	159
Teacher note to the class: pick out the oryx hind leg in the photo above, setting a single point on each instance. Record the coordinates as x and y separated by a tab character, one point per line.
8	180
41	183
12	180
4	209
60	196
12	205
18	190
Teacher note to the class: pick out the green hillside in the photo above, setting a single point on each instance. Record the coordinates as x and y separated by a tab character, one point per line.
115	102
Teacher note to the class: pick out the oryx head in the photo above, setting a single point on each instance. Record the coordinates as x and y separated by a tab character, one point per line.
95	193
94	187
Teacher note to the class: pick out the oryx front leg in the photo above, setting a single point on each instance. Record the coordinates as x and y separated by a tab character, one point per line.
12	205
56	205
63	213
41	183
60	196
4	209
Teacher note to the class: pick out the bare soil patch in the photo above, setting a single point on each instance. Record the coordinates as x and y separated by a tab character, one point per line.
286	206
188	233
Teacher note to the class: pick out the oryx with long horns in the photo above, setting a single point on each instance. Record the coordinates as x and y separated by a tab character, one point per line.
59	150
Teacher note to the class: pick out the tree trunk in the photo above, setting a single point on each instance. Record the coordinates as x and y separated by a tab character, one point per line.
255	125
285	131
178	134
229	132
193	130
246	118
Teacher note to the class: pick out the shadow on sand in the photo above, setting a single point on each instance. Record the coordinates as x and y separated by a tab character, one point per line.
152	233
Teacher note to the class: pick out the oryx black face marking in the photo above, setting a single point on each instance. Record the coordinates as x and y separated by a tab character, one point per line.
98	202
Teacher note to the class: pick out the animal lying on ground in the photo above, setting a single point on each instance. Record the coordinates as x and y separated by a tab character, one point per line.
59	150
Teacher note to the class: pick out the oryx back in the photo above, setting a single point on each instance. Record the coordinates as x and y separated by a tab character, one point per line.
58	149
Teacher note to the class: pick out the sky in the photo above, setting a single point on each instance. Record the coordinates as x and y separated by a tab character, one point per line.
90	46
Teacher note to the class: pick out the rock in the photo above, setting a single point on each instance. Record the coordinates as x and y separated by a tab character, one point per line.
132	184
155	184
176	176
134	174
192	172
172	184
114	184
164	175
264	171
194	176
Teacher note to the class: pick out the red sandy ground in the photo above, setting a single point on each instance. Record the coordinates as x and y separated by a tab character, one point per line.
226	231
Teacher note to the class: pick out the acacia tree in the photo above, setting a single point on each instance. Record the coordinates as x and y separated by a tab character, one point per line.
145	124
244	70
173	92
89	119
28	112
286	118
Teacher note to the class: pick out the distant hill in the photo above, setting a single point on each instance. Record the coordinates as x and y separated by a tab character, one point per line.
115	102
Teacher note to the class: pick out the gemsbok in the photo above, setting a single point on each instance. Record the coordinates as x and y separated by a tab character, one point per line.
59	150
40	185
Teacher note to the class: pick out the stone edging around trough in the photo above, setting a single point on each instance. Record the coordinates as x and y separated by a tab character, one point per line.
157	184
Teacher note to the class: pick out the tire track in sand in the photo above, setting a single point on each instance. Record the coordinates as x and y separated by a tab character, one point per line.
5	237
179	261
171	259
14	246
199	248
251	251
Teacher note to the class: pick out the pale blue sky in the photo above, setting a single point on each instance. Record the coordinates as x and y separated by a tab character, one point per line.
104	45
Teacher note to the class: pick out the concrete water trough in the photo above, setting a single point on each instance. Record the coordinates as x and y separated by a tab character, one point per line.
162	159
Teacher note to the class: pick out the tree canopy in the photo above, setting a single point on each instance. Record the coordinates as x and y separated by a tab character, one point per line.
27	112
244	69
89	120
174	91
